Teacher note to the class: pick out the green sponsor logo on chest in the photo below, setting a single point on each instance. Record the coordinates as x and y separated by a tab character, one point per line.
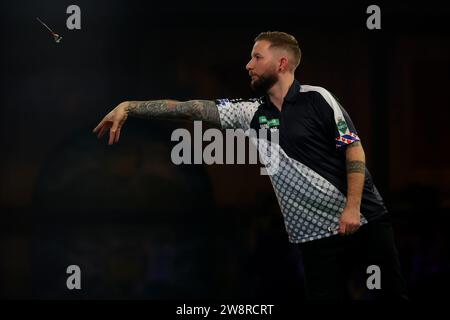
273	122
262	119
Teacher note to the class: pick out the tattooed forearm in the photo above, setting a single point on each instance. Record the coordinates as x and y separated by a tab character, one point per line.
355	163
169	109
356	166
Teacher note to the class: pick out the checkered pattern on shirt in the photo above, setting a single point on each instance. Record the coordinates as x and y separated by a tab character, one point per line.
309	203
237	113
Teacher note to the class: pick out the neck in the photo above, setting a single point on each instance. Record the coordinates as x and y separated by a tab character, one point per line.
279	90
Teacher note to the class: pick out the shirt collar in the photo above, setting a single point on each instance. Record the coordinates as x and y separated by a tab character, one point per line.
292	93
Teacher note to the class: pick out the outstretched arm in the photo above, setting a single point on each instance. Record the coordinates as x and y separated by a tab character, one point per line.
205	110
170	109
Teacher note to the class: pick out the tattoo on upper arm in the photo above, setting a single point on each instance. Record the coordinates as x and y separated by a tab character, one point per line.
169	109
356	166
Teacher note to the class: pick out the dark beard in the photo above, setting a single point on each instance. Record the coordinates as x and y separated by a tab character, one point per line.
263	83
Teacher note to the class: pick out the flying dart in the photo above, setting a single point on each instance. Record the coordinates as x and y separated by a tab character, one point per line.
56	36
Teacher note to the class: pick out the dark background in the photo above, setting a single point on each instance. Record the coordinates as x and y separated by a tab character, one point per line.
139	226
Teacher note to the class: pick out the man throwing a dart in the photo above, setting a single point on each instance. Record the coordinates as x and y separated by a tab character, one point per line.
331	207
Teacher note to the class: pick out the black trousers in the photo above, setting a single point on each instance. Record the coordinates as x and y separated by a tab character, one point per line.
336	267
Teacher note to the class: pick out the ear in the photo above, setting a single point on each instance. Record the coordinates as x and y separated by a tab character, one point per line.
283	65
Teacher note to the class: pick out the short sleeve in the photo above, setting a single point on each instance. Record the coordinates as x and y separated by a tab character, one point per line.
344	131
236	113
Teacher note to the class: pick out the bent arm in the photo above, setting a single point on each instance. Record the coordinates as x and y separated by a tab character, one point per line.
355	161
205	110
350	219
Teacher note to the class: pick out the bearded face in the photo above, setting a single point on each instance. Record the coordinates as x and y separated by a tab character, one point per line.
261	84
263	67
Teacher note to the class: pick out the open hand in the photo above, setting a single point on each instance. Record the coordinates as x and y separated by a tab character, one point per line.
113	122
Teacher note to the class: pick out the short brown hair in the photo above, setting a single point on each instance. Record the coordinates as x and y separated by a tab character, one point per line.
285	41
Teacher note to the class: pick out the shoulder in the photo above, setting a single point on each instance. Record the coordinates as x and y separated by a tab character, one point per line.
239	101
316	92
237	113
320	96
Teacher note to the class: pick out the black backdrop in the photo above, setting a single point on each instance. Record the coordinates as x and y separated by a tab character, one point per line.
139	226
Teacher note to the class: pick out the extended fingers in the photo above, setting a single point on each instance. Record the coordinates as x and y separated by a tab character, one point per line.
117	135
100	125
112	135
114	132
102	131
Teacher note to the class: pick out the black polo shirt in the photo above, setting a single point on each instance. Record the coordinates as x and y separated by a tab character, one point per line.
314	131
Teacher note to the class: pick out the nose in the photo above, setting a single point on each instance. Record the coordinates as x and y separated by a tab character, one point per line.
249	65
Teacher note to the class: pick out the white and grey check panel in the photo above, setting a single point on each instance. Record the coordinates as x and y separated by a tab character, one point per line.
237	113
309	203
